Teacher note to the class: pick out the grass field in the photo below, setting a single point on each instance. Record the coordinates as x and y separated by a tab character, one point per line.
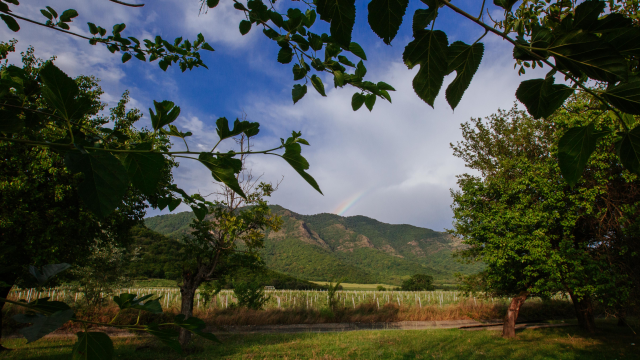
611	342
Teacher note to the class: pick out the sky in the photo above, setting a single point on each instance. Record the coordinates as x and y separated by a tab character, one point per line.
393	164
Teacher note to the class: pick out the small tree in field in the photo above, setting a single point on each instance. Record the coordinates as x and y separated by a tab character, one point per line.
234	225
418	282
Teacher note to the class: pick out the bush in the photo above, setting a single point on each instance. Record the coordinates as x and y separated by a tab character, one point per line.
381	288
418	282
250	295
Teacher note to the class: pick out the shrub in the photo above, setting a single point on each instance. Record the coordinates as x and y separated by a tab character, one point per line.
250	295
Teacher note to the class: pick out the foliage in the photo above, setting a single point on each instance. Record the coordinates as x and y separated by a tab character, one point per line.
534	232
43	219
381	288
103	272
250	294
47	316
331	293
418	282
590	41
159	257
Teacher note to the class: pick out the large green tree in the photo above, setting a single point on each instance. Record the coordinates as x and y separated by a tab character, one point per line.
42	217
536	234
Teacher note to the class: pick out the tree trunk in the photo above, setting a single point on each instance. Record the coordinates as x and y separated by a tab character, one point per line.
4	292
509	327
584	312
188	291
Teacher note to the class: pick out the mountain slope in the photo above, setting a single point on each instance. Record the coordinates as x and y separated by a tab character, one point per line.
358	248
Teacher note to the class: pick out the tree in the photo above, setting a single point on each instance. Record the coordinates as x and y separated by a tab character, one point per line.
592	40
530	228
42	218
418	282
235	224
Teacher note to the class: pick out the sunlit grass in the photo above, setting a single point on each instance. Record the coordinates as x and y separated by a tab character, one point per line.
611	342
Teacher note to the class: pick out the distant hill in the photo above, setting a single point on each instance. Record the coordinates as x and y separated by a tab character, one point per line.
358	248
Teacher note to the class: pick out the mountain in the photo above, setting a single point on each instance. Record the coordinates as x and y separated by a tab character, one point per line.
358	248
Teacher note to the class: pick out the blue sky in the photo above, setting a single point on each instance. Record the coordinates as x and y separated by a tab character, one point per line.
398	155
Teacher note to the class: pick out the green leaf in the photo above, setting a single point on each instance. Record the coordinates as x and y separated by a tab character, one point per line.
46	306
208	47
505	4
223	170
423	17
212	3
191	324
292	154
464	60
200	211
370	100
53	12
285	55
60	92
629	150
342	15
93	29
131	301
48	271
245	26
429	50
46	14
299	72
357	100
173	203
92	346
298	92
166	336
42	324
318	85
384	86
385	17
356	50
105	180
126	57
587	13
345	61
581	52
145	169
166	113
625	97
541	97
361	71
574	149
67	15
626	41
248	128
11	22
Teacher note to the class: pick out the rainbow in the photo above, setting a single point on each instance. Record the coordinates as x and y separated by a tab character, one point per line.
347	204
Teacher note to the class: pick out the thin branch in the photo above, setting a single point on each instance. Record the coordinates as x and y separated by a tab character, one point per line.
126	4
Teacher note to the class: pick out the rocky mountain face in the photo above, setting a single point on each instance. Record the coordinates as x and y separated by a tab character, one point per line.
356	248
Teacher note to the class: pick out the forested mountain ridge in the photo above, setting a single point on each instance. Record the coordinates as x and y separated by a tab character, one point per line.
361	249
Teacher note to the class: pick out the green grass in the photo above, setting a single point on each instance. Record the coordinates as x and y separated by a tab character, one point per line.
611	342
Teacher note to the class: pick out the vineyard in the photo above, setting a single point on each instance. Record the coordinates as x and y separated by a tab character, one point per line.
287	299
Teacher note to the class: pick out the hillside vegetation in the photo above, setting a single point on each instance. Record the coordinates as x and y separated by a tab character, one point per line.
357	248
